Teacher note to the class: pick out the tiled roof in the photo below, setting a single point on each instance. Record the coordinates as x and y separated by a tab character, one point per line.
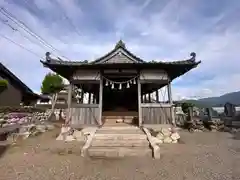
174	68
80	63
15	80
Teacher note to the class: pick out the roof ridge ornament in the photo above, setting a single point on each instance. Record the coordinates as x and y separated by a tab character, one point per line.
48	58
193	54
120	44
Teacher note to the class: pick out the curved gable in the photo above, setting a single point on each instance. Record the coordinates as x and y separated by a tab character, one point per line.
119	54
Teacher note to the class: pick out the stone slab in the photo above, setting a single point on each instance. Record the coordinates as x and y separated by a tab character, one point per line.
120	136
118	152
120	143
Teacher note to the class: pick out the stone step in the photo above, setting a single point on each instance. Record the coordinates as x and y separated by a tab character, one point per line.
120	143
113	152
118	117
124	131
122	127
120	136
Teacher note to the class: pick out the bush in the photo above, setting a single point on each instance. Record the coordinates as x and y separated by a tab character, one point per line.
3	85
185	106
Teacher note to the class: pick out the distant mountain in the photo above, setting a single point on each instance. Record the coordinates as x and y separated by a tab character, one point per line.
233	98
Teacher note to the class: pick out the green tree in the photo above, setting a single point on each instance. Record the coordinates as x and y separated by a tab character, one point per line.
51	85
3	85
185	106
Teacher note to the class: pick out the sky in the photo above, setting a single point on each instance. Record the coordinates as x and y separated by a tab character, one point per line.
161	30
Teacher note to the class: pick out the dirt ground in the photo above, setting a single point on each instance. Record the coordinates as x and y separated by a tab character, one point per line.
199	156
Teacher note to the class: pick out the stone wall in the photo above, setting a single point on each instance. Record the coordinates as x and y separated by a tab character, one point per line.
23	118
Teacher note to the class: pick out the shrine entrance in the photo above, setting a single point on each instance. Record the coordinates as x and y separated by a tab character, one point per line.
120	101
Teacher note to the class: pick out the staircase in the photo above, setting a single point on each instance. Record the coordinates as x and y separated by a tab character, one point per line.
119	141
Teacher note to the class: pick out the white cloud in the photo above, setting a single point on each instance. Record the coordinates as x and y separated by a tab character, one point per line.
151	29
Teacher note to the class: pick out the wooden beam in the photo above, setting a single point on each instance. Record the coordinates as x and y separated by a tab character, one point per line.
100	100
171	102
69	102
156	105
157	96
139	104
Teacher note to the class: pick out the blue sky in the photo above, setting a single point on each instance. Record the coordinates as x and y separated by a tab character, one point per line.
163	30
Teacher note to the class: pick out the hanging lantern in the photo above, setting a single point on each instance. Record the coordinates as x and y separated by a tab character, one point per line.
106	83
128	86
120	86
112	85
134	81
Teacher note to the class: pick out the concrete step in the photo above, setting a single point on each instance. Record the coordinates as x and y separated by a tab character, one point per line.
120	143
118	151
120	136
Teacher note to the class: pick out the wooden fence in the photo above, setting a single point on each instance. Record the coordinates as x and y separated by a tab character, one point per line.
156	113
85	114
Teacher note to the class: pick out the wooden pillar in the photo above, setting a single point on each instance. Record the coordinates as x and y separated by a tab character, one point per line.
145	98
94	99
169	93
100	100
82	96
149	98
139	104
69	102
89	98
169	88
157	96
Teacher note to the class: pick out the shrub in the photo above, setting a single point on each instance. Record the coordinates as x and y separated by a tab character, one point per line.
3	85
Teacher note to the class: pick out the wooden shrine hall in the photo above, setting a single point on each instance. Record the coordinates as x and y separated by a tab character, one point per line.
120	86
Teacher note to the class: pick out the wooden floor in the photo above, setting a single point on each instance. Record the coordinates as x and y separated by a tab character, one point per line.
107	124
121	118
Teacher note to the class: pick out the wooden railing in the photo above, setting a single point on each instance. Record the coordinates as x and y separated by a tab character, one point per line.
156	113
84	114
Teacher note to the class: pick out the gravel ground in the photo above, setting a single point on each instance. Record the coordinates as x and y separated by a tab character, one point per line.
202	156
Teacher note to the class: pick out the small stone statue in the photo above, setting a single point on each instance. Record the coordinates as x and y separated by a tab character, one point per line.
190	114
209	113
